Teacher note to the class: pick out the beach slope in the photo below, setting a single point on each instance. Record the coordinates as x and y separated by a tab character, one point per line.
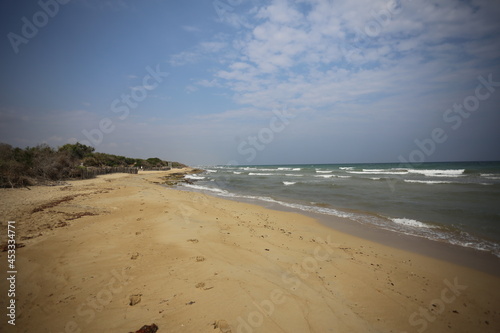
117	252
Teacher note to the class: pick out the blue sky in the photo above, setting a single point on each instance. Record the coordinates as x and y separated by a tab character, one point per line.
255	82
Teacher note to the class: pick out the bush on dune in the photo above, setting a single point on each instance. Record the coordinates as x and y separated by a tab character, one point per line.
42	164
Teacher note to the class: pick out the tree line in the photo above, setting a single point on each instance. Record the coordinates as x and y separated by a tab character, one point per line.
43	164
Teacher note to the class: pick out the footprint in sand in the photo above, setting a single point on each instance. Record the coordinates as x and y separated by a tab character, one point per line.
222	325
203	286
134	299
193	240
200	258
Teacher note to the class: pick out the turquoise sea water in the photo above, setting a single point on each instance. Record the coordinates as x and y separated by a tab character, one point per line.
455	202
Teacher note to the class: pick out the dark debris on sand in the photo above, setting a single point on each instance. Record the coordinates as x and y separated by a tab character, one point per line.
147	329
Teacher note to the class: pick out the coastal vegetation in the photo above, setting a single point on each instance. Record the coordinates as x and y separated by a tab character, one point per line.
43	164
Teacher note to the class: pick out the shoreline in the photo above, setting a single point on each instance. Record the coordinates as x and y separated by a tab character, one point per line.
452	253
133	253
445	203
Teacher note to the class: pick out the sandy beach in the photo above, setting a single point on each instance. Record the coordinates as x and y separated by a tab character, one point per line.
121	251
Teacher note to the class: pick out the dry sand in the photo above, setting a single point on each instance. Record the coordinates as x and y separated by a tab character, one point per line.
115	253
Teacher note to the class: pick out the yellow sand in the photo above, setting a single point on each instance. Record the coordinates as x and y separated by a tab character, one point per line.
194	263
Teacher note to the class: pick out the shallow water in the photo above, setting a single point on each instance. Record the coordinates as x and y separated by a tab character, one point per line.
455	202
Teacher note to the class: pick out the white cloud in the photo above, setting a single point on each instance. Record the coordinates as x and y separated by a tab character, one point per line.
183	58
238	114
190	28
208	84
212	46
321	53
202	51
280	12
191	89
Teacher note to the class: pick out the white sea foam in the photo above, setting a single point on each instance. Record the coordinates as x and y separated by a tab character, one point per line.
259	174
346	168
321	210
324	176
429	181
375	178
237	172
211	189
344	176
194	177
492	176
411	223
377	172
211	171
289	183
289	169
438	173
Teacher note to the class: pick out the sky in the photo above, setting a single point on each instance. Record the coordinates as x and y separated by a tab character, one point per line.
254	82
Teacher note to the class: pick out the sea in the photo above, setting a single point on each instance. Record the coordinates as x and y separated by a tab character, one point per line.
453	202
